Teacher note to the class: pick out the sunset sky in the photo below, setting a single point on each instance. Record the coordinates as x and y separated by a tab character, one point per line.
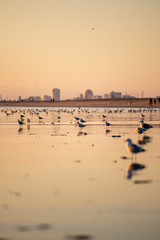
103	45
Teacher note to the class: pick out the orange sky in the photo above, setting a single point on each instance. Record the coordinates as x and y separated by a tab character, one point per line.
77	44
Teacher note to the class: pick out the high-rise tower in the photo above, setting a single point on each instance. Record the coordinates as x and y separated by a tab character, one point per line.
55	94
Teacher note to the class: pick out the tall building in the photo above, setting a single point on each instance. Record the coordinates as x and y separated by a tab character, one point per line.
55	94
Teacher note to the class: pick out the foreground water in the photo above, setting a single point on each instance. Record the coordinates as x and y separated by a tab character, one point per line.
59	181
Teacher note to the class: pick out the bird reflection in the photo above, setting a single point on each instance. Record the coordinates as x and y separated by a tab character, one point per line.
80	133
132	168
107	131
143	140
20	129
28	127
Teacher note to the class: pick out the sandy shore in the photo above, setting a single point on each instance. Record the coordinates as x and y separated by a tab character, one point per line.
138	102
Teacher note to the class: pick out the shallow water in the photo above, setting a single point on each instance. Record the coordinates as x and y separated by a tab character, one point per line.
59	181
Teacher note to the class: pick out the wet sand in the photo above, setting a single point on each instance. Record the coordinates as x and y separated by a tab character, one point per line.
138	102
59	181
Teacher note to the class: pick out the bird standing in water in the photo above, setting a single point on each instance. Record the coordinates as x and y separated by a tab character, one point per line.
133	148
107	123
145	126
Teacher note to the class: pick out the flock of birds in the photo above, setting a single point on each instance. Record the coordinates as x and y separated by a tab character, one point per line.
131	147
134	149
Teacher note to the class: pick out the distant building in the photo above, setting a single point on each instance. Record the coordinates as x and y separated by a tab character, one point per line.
19	98
115	94
78	98
55	94
97	97
88	94
46	98
34	98
106	95
128	96
37	98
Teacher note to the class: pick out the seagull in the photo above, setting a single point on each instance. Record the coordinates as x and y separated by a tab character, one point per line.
28	120
145	126
107	123
20	122
40	118
80	124
142	115
82	121
139	130
77	119
133	148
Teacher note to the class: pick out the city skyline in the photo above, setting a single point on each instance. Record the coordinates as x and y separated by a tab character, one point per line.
86	94
75	45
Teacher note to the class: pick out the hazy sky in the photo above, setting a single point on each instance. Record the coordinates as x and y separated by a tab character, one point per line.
103	45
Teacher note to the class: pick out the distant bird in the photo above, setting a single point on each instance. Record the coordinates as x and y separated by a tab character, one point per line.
139	130
80	124
20	129
133	148
28	120
82	121
77	119
145	126
142	115
20	122
104	116
40	118
59	117
22	119
107	124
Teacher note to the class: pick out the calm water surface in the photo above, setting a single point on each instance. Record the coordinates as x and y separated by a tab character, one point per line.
59	181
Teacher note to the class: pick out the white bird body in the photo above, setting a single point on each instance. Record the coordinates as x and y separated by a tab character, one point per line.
133	148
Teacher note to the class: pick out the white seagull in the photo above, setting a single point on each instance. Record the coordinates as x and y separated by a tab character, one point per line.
145	126
133	148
